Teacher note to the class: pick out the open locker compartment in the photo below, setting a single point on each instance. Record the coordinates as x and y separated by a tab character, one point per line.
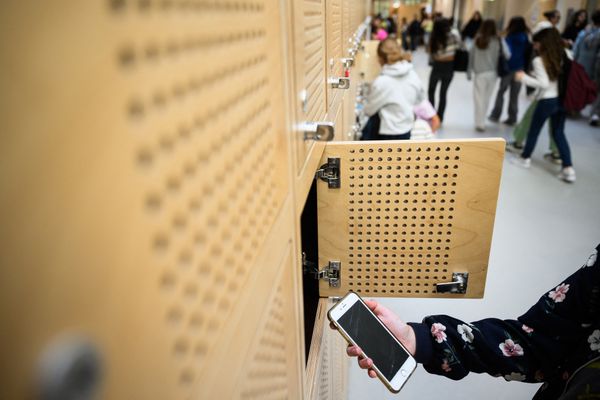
395	219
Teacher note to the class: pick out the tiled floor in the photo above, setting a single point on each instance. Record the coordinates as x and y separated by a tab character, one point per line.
544	230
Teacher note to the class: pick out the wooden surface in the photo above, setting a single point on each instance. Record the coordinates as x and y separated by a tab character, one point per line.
367	62
327	366
144	203
334	48
307	64
408	214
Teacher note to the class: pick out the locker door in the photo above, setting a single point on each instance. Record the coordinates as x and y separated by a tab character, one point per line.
309	96
327	366
334	49
147	215
407	215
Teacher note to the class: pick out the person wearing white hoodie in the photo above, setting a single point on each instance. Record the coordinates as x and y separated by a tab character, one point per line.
394	93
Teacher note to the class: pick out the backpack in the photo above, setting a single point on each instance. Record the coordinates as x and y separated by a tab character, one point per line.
576	89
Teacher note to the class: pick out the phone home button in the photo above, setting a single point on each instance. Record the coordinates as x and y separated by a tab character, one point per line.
403	372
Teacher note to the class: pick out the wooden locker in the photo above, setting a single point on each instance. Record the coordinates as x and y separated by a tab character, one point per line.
308	89
397	218
334	51
148	214
327	366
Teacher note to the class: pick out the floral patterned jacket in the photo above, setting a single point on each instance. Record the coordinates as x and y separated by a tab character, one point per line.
557	341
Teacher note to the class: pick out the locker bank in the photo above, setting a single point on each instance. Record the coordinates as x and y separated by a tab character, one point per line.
183	199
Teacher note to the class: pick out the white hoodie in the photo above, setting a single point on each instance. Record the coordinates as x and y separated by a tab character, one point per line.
394	94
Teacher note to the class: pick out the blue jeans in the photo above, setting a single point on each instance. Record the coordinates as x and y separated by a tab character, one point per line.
553	109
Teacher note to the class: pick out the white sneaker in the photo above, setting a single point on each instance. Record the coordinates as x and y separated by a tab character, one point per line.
567	174
521	162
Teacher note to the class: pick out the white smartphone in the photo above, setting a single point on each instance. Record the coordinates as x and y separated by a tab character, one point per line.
360	326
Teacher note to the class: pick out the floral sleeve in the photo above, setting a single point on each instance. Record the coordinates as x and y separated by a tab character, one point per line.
532	348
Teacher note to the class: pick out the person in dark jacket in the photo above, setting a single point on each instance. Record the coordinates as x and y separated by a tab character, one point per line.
442	48
578	23
518	42
557	341
470	30
414	31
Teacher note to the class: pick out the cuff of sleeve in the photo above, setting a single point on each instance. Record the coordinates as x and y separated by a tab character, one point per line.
424	348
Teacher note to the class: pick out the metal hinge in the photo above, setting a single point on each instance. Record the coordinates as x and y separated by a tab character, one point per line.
330	172
330	273
457	286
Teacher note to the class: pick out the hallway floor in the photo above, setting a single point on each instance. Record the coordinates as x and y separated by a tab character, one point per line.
545	229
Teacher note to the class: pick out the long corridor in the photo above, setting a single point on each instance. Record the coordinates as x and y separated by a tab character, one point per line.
545	229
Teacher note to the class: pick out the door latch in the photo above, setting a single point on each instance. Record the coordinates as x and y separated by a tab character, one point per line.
457	286
347	62
339	83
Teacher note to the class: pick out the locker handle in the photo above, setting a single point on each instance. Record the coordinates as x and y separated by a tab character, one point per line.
322	131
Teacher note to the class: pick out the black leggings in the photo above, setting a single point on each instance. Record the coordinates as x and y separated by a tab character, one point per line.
441	71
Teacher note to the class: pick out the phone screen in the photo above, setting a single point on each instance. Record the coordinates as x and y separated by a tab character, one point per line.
374	340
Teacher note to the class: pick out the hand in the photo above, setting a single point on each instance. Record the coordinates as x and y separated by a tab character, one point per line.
435	123
519	76
401	330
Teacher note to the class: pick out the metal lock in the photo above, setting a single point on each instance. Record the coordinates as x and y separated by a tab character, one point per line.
70	368
322	131
347	62
339	83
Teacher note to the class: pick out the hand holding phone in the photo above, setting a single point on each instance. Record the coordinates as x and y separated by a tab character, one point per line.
378	336
400	329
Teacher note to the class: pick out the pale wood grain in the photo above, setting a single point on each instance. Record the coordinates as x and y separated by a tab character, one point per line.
408	214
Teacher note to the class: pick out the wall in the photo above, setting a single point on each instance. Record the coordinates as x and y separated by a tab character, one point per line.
564	6
444	6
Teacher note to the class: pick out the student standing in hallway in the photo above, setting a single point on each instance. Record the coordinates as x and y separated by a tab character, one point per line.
518	43
547	68
483	62
587	53
394	94
442	47
470	30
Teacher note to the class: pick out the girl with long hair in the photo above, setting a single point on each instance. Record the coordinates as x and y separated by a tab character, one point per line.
483	61
517	40
442	47
471	28
577	24
547	69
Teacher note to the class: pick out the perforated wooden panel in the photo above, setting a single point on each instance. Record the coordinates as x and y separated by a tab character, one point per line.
139	198
327	367
270	371
309	63
348	27
334	47
409	214
314	46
